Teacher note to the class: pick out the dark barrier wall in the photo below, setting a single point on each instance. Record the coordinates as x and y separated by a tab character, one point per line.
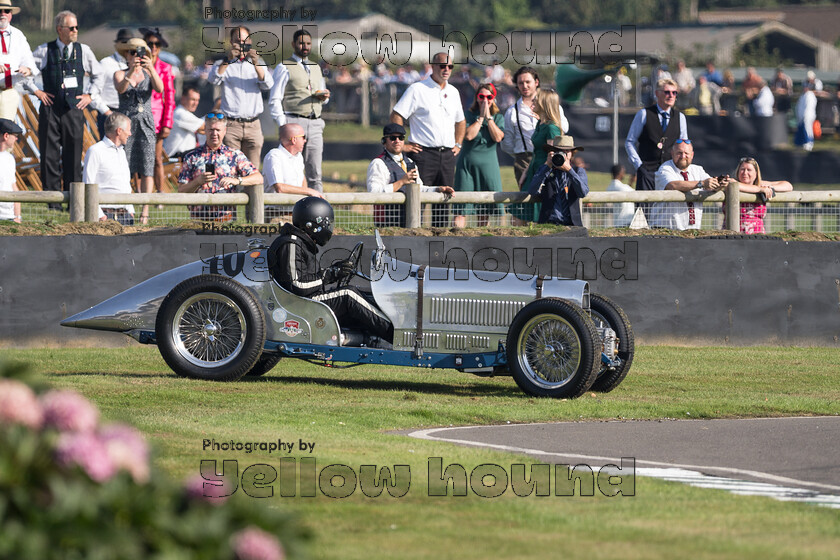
676	291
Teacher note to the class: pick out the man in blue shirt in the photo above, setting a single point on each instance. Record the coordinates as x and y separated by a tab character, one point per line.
560	187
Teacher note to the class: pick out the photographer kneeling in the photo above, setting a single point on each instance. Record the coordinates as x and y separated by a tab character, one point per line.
560	185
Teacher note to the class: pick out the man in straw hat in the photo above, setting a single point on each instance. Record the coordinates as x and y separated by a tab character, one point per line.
16	62
109	100
559	184
64	63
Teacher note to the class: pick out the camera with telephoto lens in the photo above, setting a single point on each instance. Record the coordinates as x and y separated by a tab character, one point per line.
761	197
558	159
141	52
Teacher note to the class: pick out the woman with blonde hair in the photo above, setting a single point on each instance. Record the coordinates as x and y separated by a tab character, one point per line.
547	108
478	164
748	178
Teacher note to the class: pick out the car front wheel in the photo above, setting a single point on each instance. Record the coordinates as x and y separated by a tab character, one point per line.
210	327
553	349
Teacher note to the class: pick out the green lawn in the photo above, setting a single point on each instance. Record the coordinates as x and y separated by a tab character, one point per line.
347	414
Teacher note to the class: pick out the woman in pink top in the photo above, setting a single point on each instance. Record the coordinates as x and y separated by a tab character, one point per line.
748	178
163	103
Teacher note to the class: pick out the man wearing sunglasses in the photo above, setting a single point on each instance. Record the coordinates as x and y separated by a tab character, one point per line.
64	63
655	128
389	172
17	62
243	77
680	174
436	118
216	168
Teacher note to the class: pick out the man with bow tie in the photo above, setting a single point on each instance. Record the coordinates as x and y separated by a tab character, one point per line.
16	62
655	128
64	63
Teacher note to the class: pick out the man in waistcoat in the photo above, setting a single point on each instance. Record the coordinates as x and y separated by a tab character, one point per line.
297	96
16	63
64	63
655	128
389	172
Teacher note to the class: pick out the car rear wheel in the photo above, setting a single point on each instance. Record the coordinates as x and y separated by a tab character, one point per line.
606	312
553	349
265	364
210	327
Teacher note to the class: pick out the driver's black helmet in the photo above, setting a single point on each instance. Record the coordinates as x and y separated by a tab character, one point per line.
314	216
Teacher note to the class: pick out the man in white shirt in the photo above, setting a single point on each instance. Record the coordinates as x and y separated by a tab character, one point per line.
107	166
16	62
63	62
389	172
243	78
433	110
187	129
284	170
623	212
108	99
520	121
679	174
298	95
9	133
762	100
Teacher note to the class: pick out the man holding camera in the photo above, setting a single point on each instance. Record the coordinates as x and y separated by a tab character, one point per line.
679	174
243	78
559	184
216	168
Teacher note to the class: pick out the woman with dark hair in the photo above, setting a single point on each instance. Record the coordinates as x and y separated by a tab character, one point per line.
748	178
478	165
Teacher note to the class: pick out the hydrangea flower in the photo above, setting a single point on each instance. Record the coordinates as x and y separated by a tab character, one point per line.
69	411
88	451
127	449
255	544
194	487
19	405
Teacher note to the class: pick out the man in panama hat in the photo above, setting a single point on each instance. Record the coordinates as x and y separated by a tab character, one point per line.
559	184
16	62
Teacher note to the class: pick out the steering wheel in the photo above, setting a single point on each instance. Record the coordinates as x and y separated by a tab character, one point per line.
355	259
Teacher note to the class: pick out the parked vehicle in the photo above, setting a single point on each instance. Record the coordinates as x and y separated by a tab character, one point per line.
226	317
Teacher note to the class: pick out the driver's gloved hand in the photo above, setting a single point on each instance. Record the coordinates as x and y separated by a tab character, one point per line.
345	267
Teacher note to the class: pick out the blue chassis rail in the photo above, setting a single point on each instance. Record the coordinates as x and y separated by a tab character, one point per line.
352	354
407	358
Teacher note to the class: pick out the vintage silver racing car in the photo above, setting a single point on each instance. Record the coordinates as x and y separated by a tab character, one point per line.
226	317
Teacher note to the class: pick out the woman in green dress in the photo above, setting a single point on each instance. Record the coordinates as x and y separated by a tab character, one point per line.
478	164
547	108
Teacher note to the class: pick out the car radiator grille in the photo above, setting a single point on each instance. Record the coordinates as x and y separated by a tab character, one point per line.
479	312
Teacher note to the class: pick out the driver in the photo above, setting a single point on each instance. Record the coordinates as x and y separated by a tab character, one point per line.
293	261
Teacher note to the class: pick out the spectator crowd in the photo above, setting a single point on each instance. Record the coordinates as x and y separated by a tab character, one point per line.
445	127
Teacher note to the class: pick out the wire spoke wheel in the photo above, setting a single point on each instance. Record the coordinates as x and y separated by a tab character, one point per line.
552	349
606	313
209	329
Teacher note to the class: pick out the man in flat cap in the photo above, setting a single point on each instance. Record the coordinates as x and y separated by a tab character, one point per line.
389	172
16	62
9	133
560	187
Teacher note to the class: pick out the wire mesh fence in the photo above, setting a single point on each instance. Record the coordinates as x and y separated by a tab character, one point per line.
819	217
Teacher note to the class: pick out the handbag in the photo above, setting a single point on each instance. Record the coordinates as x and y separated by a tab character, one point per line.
817	130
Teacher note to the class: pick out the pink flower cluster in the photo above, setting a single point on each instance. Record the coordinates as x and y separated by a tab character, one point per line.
255	544
194	488
19	405
100	451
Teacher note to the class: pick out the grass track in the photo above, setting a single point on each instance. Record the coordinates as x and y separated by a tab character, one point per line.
346	412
